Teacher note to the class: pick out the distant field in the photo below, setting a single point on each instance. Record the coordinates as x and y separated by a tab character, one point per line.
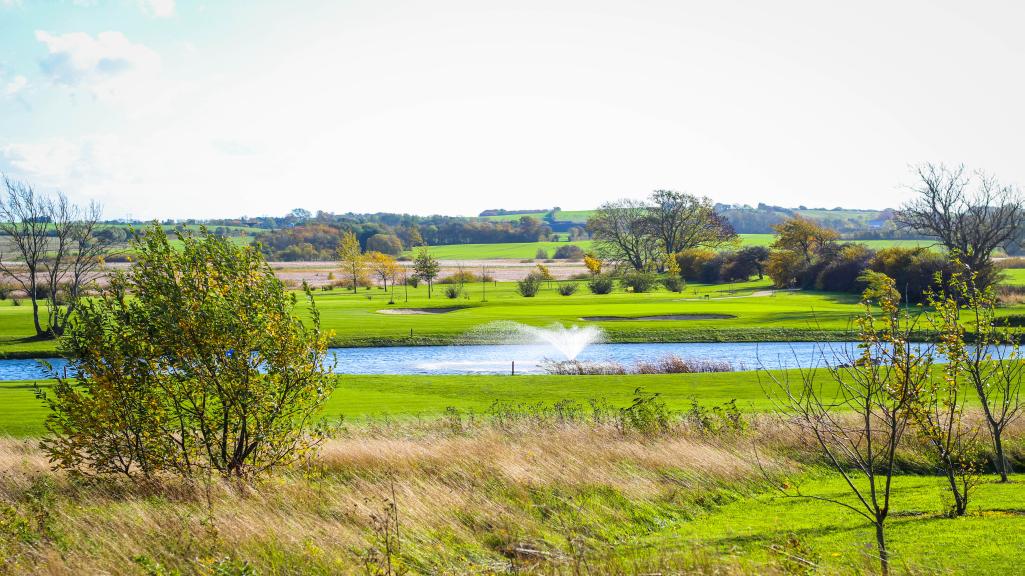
524	250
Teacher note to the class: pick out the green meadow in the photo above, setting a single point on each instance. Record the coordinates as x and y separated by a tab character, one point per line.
360	397
528	250
752	310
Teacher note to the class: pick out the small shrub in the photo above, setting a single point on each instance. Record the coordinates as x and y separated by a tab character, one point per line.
724	418
452	292
413	281
674	283
529	286
673	364
647	414
600	284
16	301
579	368
330	275
464	277
541	254
567	288
638	281
569	252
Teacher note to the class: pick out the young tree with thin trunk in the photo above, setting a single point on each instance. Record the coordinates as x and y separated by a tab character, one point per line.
940	407
384	266
58	252
859	424
993	364
352	259
426	268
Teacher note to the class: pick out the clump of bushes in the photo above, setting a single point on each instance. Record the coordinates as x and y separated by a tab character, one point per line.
541	254
453	291
638	281
6	289
569	252
530	285
600	284
674	283
567	288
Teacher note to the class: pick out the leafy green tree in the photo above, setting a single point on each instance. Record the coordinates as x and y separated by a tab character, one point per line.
426	268
352	258
192	362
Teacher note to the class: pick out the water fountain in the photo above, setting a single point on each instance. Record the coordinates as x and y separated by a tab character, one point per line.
567	342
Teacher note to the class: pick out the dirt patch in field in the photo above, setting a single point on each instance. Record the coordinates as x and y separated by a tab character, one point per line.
659	317
404	311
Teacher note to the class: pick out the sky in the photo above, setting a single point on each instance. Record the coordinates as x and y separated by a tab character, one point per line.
178	109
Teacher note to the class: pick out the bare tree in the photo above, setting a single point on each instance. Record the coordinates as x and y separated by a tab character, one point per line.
622	234
940	407
858	423
970	214
57	251
681	221
995	372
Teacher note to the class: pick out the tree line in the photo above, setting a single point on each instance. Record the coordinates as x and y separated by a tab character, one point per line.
967	214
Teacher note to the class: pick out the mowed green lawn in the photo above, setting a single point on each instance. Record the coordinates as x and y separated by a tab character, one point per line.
357	397
526	250
921	539
753	312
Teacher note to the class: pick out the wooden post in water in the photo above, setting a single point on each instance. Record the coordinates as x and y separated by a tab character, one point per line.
513	368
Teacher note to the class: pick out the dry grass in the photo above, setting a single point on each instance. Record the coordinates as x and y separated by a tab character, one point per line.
529	494
473	500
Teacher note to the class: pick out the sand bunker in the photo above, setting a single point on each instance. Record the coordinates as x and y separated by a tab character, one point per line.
660	317
420	310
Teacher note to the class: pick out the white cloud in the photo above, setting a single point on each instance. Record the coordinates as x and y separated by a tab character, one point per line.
106	65
10	3
15	85
158	8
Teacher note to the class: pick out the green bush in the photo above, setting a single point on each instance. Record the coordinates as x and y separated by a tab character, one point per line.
452	291
529	286
639	281
600	284
205	368
674	283
567	288
569	252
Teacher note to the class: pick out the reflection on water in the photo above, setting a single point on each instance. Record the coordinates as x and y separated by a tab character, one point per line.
498	359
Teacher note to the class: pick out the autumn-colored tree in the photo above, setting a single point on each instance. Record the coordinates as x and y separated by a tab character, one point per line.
192	362
940	407
426	268
545	273
384	266
593	264
803	237
858	419
352	259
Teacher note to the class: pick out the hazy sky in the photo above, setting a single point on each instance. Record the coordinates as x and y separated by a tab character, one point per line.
174	109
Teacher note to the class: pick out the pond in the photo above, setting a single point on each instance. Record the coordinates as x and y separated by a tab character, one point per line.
498	359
